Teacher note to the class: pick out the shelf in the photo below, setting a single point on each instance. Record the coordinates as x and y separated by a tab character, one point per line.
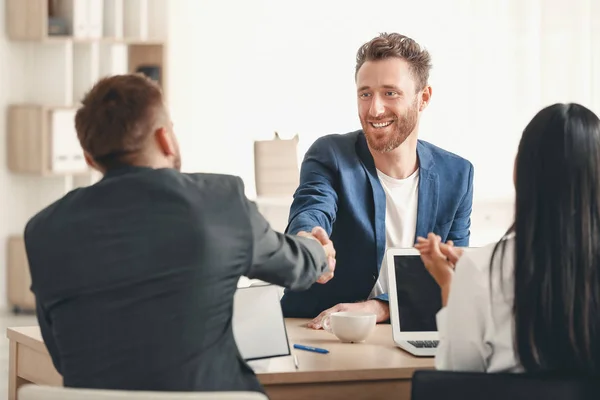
100	38
90	39
41	140
17	275
92	61
104	40
148	59
85	21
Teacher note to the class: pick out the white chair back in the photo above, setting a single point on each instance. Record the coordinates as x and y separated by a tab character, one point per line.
40	392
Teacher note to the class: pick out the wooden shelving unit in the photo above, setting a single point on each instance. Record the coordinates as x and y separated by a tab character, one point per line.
72	44
126	36
86	20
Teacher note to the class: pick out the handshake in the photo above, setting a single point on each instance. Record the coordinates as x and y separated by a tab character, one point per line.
322	237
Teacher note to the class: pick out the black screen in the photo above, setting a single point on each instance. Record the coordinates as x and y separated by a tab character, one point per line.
419	296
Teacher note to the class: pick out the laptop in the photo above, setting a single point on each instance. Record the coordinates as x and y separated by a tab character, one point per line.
258	323
414	299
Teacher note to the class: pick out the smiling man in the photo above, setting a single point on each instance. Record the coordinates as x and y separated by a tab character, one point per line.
378	187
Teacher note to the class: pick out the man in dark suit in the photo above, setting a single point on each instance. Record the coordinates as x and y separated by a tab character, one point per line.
134	276
379	187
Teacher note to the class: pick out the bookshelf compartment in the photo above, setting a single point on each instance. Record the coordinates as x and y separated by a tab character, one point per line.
42	141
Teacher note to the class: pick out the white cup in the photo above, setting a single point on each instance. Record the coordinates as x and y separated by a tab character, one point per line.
350	326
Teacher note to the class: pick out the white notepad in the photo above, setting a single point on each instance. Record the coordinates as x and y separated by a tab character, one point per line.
258	323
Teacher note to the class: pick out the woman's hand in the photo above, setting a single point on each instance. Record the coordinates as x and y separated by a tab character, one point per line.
439	259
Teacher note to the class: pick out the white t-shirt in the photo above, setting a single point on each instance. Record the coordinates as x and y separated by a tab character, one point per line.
401	201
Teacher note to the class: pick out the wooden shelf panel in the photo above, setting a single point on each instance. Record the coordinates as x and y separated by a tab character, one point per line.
25	150
26	19
17	275
103	40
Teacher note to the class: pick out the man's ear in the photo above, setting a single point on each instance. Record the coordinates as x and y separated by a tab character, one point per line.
164	141
425	97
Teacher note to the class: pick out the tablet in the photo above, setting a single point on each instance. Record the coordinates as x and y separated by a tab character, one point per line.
258	323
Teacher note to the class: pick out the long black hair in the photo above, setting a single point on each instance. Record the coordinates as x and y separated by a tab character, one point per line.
557	242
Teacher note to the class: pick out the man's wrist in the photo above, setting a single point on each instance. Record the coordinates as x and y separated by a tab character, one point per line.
381	308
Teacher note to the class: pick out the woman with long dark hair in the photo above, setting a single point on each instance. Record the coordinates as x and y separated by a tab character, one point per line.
531	302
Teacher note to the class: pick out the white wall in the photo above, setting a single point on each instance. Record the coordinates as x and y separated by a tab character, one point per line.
240	70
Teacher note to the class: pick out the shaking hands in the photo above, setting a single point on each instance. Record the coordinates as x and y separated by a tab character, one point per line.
322	237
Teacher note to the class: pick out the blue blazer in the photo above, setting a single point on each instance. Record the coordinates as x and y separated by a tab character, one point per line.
340	191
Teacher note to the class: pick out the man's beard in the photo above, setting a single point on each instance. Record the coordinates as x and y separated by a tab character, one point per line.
402	127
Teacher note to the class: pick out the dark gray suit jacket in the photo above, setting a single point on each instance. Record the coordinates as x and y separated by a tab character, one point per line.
134	279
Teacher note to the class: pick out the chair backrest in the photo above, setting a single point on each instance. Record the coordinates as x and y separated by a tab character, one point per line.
40	392
436	385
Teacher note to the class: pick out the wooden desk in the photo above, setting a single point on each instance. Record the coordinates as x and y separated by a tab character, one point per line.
375	369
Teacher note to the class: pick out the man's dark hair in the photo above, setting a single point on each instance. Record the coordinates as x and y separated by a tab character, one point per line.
388	45
117	116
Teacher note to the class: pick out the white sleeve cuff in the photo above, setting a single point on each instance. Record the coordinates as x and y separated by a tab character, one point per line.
440	319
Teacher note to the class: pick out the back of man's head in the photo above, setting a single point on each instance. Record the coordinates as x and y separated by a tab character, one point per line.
118	117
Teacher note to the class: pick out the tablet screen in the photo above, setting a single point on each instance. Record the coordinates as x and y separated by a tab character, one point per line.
419	297
258	323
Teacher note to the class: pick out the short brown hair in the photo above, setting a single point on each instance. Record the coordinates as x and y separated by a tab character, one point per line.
117	116
388	45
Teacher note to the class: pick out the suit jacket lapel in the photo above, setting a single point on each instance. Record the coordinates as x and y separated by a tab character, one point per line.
428	192
365	156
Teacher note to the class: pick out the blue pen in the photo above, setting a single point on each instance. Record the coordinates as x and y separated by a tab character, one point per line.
309	348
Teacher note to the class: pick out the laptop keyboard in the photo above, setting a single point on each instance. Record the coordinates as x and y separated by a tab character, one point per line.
424	343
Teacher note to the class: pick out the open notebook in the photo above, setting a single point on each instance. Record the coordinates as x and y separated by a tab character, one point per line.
258	324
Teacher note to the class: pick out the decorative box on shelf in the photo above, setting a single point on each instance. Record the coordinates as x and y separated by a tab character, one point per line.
42	140
276	168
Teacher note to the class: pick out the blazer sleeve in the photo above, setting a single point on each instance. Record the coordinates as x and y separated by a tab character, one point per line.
290	261
462	323
460	232
315	200
46	330
42	316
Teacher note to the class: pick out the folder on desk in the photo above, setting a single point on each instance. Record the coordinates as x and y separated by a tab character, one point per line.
258	323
